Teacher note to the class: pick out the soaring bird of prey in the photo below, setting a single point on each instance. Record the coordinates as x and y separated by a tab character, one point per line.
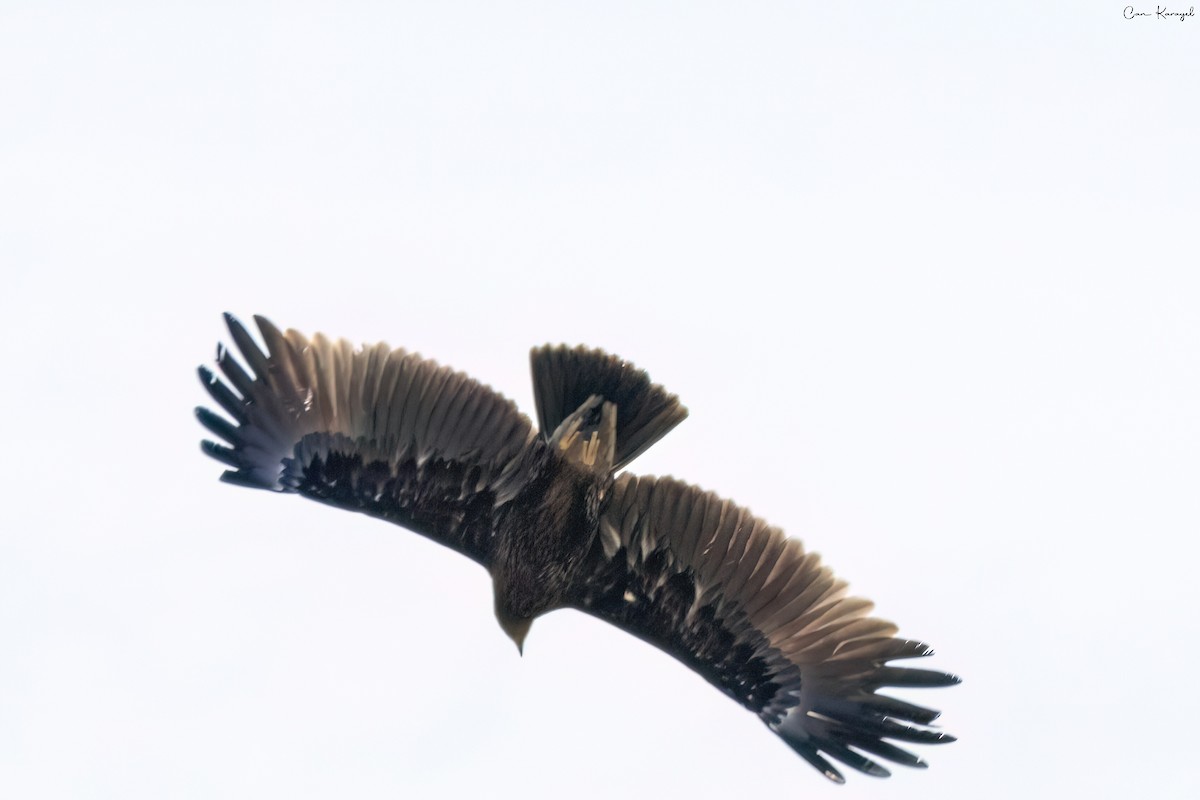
396	436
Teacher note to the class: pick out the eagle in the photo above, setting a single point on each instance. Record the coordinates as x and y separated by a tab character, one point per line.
396	436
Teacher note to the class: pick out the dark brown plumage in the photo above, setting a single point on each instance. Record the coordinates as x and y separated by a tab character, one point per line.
398	437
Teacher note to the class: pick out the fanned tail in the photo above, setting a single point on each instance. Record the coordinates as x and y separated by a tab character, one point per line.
565	378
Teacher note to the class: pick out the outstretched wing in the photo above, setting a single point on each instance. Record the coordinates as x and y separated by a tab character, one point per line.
760	618
376	430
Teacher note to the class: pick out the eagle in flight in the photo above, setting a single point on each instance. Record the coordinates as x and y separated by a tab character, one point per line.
396	436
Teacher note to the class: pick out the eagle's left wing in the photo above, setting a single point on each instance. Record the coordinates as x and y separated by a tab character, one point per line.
759	618
376	430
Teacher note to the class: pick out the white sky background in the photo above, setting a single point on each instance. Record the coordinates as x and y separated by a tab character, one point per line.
925	277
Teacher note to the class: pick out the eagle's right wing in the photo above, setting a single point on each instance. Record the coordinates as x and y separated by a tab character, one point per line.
376	430
758	617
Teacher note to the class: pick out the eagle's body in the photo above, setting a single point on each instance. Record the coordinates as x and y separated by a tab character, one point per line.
400	438
532	575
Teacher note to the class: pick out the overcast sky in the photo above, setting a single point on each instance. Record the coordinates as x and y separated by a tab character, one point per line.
925	276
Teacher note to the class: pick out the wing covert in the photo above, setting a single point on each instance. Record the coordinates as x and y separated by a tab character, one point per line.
760	618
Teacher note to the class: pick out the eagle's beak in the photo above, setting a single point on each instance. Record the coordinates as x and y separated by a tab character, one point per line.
517	629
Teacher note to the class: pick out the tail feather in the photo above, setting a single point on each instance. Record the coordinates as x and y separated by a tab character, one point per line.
565	378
